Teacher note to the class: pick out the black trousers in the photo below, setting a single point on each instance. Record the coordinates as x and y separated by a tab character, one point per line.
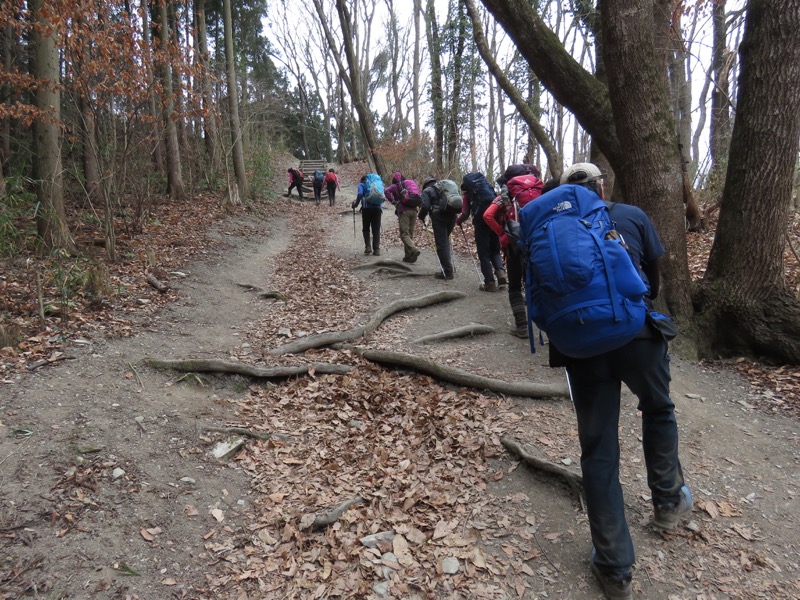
371	227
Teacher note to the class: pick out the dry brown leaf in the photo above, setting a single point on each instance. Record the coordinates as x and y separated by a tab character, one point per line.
218	515
190	510
146	534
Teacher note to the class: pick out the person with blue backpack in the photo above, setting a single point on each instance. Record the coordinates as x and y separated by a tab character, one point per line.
370	196
317	182
591	276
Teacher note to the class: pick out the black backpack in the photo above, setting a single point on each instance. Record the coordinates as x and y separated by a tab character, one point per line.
480	193
517	170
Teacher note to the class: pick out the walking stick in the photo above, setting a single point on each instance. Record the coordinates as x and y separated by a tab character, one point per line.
355	244
472	256
433	241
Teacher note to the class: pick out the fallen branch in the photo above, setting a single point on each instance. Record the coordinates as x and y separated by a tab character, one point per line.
214	365
329	518
256	435
161	287
528	455
458	332
393	264
334	337
524	389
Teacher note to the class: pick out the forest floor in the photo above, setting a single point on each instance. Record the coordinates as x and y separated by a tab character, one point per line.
109	489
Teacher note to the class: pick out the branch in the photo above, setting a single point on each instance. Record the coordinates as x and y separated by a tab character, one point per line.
524	389
213	365
161	287
330	517
335	337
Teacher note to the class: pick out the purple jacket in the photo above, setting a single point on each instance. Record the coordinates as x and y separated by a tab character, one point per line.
394	192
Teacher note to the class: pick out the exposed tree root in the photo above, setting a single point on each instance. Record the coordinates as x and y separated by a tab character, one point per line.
528	455
214	365
334	337
524	389
458	332
256	435
262	293
330	517
392	264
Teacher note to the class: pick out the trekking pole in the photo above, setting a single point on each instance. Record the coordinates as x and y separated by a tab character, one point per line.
355	244
569	387
433	241
472	256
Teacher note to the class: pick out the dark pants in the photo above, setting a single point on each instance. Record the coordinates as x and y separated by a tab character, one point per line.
299	186
643	365
318	191
443	225
371	223
516	297
488	246
331	193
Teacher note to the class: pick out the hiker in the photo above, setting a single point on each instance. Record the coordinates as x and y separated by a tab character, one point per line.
641	362
319	179
370	196
295	181
332	183
516	170
478	195
500	216
442	201
404	195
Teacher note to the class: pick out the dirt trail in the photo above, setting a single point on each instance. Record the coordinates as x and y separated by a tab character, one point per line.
72	525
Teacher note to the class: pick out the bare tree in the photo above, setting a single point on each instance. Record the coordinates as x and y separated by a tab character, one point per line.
233	107
175	186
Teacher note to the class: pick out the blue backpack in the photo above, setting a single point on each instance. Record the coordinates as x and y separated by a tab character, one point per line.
319	176
373	193
581	286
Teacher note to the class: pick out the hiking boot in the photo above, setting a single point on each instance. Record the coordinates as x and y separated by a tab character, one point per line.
613	588
502	279
376	252
440	275
367	250
666	517
520	332
414	256
488	287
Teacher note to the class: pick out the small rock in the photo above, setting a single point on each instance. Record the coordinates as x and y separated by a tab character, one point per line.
693	526
381	589
355	423
225	449
372	541
694	396
285	332
117	473
139	419
566	461
188	480
450	565
143	301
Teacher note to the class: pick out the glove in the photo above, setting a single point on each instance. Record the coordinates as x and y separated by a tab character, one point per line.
353	205
459	220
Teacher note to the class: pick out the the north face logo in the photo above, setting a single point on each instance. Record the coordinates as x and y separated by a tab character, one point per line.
562	206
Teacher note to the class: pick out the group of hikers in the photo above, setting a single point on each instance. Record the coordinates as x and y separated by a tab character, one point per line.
329	180
585	271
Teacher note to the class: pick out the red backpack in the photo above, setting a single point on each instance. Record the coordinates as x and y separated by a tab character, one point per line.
330	177
524	188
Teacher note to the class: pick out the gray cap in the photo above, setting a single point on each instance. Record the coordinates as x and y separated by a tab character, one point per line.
582	173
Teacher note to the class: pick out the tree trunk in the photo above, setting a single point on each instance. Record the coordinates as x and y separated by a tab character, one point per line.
50	218
531	119
638	90
210	119
147	39
722	62
415	96
8	41
233	104
175	186
453	124
745	303
437	90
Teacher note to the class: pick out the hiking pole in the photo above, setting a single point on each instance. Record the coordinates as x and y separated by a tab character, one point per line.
569	387
355	244
433	241
472	256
